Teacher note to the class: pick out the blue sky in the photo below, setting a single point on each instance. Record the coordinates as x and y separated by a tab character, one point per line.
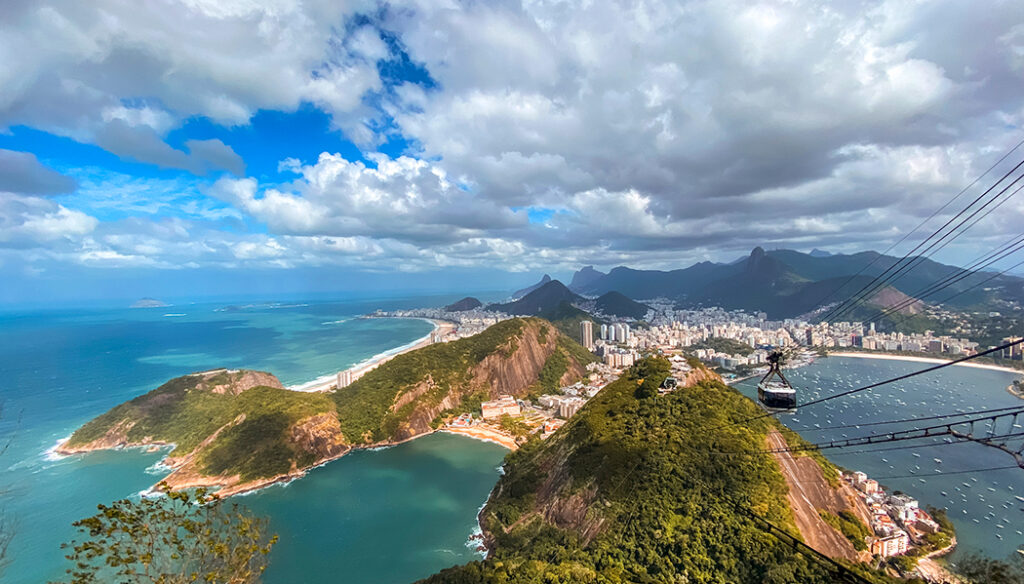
279	146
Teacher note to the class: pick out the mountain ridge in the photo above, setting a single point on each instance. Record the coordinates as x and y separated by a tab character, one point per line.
787	283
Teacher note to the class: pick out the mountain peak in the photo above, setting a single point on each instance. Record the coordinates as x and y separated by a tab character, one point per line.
520	293
545	297
586	276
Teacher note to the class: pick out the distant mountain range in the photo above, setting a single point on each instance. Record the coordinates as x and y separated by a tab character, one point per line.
781	283
528	289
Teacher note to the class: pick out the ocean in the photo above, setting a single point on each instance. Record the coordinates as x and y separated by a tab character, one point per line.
398	514
981	504
60	368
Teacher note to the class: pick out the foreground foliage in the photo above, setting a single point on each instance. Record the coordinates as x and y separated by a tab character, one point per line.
176	538
639	487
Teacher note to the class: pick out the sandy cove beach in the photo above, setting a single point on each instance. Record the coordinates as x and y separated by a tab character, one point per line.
931	360
441	328
485	434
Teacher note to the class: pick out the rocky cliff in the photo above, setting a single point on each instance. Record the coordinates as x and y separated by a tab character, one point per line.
240	429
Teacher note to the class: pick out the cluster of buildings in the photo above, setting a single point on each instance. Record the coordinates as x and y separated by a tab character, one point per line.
856	335
897	521
672	328
549	411
467	322
614	346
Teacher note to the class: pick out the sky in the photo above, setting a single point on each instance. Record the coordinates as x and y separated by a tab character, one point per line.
201	147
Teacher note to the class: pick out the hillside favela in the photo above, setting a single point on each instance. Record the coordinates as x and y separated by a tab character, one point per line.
512	292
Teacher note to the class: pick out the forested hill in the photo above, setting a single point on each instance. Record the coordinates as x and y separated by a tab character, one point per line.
785	283
240	429
635	488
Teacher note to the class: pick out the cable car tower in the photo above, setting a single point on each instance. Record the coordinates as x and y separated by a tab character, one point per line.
774	391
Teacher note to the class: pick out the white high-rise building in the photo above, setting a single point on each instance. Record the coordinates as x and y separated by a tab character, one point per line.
604	332
587	335
344	378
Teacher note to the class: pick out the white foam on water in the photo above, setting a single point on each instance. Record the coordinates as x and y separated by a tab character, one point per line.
51	454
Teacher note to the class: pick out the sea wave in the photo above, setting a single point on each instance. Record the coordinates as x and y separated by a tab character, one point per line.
173	314
158	468
339	321
51	454
323	379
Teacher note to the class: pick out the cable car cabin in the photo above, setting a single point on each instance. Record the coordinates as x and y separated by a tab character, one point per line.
774	391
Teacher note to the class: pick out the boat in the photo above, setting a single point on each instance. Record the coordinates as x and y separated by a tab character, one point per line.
773	391
937	460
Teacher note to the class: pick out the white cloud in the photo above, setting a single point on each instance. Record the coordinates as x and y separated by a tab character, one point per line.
94	70
402	198
27	222
655	133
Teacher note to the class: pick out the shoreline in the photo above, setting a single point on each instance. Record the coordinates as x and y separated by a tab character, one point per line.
932	360
484	435
321	384
326	382
238	489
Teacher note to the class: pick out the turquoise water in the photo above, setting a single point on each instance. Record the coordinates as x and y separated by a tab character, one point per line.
390	516
59	369
398	514
982	505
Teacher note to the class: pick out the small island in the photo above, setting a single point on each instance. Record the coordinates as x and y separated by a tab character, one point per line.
149	303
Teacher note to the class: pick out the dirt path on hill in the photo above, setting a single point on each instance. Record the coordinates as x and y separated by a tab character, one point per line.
808	492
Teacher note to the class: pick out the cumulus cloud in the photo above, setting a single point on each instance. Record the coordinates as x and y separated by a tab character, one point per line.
649	133
27	222
121	77
21	172
401	198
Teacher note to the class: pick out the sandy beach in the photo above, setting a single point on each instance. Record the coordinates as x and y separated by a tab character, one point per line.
485	434
931	360
327	382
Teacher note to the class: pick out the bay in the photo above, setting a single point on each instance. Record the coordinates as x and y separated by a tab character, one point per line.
60	368
981	503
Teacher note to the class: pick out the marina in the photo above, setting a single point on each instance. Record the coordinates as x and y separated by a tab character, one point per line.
937	473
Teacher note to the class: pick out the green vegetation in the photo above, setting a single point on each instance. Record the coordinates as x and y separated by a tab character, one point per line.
553	370
942	539
514	426
576	352
179	413
567	319
639	490
364	408
849	525
723	345
253	433
174	539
